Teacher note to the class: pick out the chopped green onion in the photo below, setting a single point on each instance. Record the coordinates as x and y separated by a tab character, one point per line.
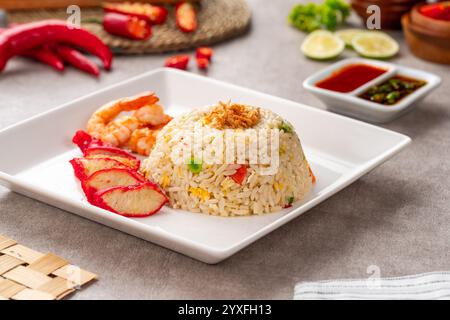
195	166
286	127
392	97
290	200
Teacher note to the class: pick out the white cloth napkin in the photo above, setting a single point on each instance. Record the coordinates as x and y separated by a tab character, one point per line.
425	286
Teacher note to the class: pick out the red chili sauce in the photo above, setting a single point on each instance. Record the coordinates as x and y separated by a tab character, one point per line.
439	11
350	77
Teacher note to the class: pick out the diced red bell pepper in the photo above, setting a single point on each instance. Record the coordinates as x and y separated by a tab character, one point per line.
240	174
186	16
178	62
204	52
144	11
311	174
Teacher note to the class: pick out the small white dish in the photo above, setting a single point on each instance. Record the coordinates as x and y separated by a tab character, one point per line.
36	163
351	104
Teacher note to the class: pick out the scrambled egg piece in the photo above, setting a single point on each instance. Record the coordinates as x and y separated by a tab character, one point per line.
200	193
278	186
165	181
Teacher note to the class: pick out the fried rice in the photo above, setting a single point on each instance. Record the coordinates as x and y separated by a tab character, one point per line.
211	189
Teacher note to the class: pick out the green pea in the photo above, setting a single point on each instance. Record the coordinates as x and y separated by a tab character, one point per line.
195	166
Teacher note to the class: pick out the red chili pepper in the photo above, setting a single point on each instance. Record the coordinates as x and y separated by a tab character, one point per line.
178	62
77	59
144	11
45	55
18	40
240	175
186	16
204	52
158	15
126	26
202	63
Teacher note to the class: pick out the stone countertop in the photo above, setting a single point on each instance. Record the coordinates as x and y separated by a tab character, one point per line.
397	217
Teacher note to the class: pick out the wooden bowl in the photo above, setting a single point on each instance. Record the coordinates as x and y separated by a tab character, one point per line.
434	25
390	2
424	43
386	23
390	13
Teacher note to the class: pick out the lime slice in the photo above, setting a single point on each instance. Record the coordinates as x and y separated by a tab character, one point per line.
322	45
347	35
375	44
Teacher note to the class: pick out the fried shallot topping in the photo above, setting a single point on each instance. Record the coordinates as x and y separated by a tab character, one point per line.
232	116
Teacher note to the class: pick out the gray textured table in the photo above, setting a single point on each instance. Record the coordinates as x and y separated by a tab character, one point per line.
397	217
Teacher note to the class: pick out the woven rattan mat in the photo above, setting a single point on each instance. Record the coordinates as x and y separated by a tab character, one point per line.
218	20
26	274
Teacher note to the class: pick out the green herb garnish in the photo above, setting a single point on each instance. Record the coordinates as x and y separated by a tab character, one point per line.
327	15
195	166
286	127
290	200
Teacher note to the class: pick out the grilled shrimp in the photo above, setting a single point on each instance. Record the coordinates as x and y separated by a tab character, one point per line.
119	131
152	115
153	119
102	125
142	140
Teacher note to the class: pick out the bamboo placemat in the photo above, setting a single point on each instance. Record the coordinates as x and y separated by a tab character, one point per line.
26	274
218	20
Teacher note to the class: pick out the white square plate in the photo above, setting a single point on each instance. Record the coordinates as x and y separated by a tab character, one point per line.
340	150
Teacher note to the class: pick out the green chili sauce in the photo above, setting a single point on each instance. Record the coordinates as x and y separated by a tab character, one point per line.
393	90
